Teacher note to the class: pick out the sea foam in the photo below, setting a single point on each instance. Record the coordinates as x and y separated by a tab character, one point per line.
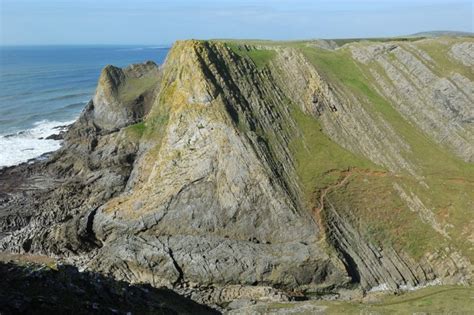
31	143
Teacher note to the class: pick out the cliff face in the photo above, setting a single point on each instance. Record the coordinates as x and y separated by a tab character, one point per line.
236	167
120	96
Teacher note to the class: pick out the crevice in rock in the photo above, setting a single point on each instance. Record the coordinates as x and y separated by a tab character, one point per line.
178	268
89	235
27	245
349	264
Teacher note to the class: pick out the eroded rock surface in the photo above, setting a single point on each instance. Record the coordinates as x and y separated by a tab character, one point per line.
438	103
230	177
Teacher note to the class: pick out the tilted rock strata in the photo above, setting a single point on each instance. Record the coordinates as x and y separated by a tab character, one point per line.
441	105
224	194
187	175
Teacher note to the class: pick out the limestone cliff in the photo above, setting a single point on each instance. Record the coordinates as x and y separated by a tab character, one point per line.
261	169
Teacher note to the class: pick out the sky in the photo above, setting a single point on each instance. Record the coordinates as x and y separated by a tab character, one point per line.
57	22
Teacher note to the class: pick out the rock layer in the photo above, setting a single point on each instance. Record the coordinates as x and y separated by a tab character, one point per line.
215	174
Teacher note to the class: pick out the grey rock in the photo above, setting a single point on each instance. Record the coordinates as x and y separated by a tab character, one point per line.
203	196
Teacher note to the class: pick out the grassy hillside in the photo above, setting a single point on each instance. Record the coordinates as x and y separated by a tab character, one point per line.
444	184
438	166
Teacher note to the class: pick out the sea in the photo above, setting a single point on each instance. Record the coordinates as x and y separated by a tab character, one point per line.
45	88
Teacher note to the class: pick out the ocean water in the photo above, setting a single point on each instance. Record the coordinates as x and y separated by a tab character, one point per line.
42	88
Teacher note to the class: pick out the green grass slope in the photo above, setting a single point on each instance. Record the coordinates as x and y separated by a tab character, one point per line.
375	205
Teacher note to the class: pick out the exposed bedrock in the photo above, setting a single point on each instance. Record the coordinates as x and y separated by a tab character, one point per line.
120	96
229	216
47	204
190	175
437	100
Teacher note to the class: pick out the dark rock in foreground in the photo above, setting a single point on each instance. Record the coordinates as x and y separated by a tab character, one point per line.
37	289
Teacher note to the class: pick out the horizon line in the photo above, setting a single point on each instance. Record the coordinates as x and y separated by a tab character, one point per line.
169	45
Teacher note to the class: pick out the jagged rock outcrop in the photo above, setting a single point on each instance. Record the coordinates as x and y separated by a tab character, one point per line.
120	96
93	166
229	217
236	169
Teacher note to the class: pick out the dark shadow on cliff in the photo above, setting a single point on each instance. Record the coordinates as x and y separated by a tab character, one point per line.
35	289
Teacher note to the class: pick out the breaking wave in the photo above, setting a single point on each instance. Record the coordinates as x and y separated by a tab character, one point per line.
31	143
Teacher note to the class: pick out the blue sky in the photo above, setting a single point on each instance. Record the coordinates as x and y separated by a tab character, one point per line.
31	22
